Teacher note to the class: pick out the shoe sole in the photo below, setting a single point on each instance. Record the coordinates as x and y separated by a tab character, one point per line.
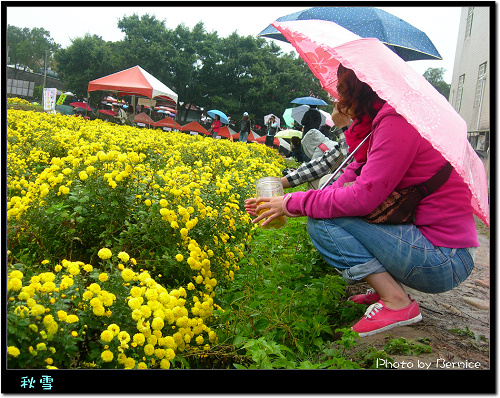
416	319
364	302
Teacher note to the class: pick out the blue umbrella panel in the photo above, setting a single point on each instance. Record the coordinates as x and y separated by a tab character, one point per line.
223	118
308	101
404	39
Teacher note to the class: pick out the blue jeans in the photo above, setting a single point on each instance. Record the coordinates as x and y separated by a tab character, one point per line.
358	249
243	136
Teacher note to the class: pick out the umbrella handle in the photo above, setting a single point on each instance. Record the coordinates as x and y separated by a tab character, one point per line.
345	162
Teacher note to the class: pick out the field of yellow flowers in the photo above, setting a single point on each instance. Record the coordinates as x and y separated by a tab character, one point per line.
119	239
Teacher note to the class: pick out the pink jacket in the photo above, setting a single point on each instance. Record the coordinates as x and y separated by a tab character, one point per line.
216	126
398	158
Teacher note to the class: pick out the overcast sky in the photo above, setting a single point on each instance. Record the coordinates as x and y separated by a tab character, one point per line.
66	23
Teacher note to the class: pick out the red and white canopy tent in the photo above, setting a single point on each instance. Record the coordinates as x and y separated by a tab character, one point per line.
251	137
168	122
134	81
195	127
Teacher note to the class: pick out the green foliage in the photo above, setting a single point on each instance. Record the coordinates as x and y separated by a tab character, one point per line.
407	347
28	46
477	341
257	77
435	77
87	58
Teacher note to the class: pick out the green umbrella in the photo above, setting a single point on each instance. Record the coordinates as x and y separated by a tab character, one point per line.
65	109
287	117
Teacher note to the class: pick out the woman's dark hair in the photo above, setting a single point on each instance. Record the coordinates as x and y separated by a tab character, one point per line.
355	93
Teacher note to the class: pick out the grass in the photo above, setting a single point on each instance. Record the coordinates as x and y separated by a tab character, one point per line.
482	229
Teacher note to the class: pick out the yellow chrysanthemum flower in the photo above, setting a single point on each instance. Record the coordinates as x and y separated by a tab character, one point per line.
13	351
104	253
127	274
107	336
107	356
114	328
123	256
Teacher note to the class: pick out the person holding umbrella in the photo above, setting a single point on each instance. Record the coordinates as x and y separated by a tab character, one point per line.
432	254
244	128
272	127
311	119
215	127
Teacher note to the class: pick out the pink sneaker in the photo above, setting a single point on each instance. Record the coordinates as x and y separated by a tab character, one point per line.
370	297
378	318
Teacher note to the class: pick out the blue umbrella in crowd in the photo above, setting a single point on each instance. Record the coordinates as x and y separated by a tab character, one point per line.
401	37
308	101
223	118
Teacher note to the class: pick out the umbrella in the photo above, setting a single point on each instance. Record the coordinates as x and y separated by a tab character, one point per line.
298	113
288	134
223	118
65	109
107	112
284	144
308	101
276	118
409	93
401	37
328	118
82	105
287	117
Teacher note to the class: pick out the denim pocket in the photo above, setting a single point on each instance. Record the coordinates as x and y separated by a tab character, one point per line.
432	279
456	267
463	264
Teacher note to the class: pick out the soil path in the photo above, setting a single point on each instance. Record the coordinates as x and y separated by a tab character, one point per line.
464	309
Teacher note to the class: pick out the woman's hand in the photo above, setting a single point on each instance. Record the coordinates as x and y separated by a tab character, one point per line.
339	119
271	208
250	206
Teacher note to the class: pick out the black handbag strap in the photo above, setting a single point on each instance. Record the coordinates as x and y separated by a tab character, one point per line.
432	184
438	179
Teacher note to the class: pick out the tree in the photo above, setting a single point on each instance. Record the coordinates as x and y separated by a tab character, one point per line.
234	74
146	43
87	58
435	77
28	46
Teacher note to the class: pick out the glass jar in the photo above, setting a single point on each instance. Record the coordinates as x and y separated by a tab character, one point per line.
270	187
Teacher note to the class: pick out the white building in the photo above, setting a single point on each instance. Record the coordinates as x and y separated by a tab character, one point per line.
470	84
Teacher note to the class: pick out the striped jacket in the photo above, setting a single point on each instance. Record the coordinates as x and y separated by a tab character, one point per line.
318	167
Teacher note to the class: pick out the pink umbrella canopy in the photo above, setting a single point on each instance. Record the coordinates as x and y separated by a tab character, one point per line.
82	105
107	112
324	45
